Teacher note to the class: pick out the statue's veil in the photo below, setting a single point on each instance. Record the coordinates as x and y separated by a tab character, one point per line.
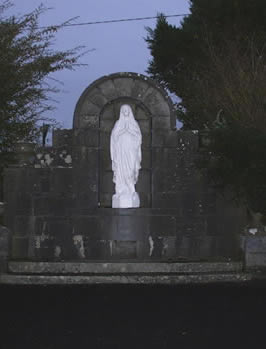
126	122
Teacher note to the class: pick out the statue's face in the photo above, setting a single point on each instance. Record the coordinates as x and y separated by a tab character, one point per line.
125	111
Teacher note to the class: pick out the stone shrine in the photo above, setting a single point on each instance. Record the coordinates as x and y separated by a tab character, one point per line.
59	198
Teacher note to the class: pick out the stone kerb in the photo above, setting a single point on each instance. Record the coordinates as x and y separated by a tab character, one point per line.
120	86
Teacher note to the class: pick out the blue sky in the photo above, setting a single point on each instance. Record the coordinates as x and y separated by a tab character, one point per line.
118	46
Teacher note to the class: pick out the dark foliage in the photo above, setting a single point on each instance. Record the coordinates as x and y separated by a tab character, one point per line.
215	62
27	61
181	57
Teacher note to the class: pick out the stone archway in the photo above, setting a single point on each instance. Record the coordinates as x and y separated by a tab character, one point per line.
134	86
98	109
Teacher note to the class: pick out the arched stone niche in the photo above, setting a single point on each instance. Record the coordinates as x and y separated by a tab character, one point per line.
98	109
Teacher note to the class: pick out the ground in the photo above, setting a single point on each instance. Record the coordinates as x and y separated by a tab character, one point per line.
209	316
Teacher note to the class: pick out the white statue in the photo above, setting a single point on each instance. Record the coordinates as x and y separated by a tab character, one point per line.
126	158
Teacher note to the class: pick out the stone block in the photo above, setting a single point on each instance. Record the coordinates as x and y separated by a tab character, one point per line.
13	178
41	205
96	97
105	199
146	140
85	158
190	206
166	200
61	180
107	125
215	225
57	228
88	137
62	138
195	248
145	199
124	249
22	201
227	246
108	227
106	182
224	225
59	205
84	182
123	228
105	160
167	182
141	114
88	108
19	247
108	90
97	249
123	86
86	225
45	253
45	184
5	237
140	89
156	103
161	123
52	205
145	126
162	226
132	228
105	140
40	225
191	226
144	182
146	159
21	225
108	113
89	121
87	199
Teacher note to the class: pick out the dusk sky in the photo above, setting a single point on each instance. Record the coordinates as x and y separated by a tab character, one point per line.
119	47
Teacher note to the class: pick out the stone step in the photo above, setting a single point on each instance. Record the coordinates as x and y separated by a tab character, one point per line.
170	279
122	268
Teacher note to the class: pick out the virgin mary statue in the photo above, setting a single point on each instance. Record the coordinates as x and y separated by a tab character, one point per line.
126	158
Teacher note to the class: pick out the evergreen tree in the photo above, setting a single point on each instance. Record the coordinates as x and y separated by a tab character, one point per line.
215	62
26	62
181	57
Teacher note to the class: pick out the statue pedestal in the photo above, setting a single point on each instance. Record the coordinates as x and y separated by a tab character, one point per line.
125	200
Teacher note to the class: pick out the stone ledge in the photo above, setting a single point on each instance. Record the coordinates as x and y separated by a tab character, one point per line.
102	268
123	279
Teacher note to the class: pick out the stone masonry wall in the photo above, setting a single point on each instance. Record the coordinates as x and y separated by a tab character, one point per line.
52	215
